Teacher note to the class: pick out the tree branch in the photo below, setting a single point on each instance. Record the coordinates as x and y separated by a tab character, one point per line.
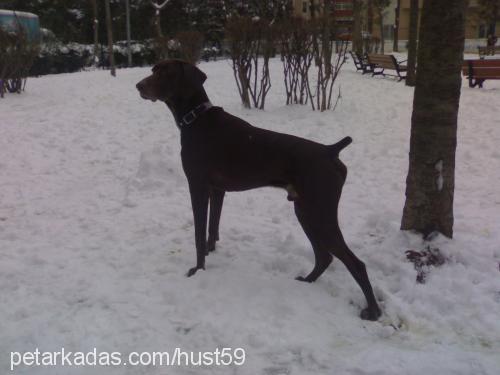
159	7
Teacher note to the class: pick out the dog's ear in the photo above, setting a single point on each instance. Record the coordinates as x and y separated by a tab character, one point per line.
160	67
195	75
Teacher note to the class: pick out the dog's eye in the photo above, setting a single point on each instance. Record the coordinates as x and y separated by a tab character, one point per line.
161	72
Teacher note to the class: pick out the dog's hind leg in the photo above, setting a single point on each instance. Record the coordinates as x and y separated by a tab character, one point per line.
216	201
321	254
358	270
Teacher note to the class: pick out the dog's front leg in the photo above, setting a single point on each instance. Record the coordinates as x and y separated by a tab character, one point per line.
199	201
216	201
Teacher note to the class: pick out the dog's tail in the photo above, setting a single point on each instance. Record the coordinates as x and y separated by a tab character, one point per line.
335	149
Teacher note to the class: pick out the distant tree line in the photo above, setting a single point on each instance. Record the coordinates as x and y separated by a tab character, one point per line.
72	20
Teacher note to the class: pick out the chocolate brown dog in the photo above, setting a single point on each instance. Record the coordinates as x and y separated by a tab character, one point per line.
221	152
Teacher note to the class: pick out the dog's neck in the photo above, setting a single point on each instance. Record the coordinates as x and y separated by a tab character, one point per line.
180	106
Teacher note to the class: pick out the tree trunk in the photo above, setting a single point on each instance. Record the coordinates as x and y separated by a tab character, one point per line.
110	39
159	33
381	25
127	16
488	12
431	176
357	38
95	26
369	16
412	44
395	46
369	25
494	17
312	9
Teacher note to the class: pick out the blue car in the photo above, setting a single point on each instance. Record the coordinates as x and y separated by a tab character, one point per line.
11	20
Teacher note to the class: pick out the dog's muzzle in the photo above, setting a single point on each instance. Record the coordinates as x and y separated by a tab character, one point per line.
141	88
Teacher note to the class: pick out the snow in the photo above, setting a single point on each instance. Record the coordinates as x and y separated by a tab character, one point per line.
96	235
77	13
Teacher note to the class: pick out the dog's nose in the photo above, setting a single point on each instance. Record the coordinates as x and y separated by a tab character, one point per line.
140	86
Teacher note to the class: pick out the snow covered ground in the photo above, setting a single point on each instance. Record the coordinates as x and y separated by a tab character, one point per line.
96	235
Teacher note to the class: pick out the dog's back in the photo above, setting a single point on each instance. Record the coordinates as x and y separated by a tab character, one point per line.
239	156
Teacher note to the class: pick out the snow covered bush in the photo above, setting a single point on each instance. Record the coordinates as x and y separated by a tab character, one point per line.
55	57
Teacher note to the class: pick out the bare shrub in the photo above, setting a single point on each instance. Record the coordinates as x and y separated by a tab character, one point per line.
251	44
17	56
296	55
303	43
166	47
329	57
190	45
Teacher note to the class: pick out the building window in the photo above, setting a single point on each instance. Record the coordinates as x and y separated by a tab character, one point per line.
343	6
388	31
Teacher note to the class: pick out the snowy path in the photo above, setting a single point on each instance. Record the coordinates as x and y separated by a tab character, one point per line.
96	235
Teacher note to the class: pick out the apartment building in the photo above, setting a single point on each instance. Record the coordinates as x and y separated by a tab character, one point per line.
342	11
475	27
475	31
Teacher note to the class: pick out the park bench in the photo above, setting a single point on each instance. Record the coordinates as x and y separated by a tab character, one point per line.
477	71
360	62
379	64
485	51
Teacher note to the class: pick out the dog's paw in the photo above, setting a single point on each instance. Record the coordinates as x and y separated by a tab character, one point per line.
210	246
193	270
304	279
370	314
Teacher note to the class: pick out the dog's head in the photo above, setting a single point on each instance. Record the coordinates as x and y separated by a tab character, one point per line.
171	79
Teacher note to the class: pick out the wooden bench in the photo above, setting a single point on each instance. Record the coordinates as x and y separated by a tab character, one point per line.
379	63
477	71
485	51
361	62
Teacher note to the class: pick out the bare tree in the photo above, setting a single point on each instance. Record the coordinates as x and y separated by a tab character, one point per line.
109	27
431	176
158	7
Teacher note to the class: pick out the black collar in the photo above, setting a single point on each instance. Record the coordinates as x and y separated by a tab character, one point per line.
192	115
